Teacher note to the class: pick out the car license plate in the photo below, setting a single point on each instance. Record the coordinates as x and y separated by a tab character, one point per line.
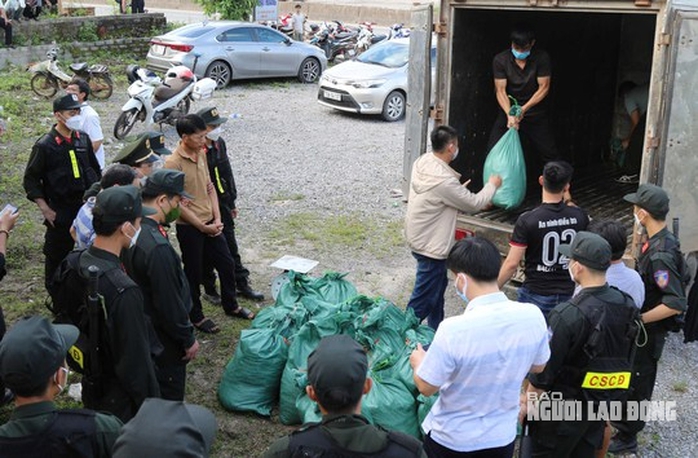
333	96
158	49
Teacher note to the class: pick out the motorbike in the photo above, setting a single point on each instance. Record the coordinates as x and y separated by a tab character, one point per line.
153	100
367	38
335	49
399	30
49	77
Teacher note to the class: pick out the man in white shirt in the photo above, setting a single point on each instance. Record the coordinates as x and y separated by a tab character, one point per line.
90	119
298	21
478	360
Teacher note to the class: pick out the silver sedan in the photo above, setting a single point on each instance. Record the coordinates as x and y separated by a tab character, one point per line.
231	50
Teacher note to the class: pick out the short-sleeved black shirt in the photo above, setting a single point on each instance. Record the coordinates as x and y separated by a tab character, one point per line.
522	83
541	231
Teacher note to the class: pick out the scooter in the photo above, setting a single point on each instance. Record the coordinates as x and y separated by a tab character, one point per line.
48	77
367	38
156	101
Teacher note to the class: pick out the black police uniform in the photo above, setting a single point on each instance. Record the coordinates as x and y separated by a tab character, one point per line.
223	180
351	434
661	267
129	377
156	267
60	170
564	373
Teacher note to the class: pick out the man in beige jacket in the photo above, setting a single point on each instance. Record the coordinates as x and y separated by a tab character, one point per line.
436	196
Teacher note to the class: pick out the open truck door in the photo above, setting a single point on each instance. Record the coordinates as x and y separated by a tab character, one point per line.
676	161
418	90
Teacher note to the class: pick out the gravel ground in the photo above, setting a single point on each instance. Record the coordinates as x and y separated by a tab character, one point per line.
291	156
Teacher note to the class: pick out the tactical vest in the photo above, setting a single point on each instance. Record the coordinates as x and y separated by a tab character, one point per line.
605	357
313	442
71	434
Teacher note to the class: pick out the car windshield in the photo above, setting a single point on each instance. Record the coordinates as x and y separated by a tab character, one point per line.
391	55
192	32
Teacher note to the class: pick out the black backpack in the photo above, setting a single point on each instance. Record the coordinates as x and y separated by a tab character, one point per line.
70	303
71	434
311	441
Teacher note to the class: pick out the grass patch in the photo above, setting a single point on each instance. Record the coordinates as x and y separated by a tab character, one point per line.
680	386
336	232
284	197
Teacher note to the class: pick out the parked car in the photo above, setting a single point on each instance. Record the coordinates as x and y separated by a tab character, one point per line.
375	82
231	50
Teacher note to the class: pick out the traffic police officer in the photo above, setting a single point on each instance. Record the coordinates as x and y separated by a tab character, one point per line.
337	381
61	167
224	183
663	272
156	267
138	154
579	352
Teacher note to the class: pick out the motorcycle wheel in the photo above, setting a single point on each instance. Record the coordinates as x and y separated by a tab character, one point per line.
101	85
43	85
125	123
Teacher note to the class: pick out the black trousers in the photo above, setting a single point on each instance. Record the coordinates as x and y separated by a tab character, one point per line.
572	439
535	131
197	246
171	379
137	6
8	31
242	275
435	450
57	244
644	376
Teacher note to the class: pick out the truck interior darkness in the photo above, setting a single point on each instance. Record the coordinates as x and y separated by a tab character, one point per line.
591	54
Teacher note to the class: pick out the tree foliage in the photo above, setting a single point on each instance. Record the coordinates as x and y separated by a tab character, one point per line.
239	10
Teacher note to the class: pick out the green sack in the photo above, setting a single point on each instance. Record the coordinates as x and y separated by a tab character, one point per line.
297	287
424	405
250	381
294	376
391	405
333	288
506	159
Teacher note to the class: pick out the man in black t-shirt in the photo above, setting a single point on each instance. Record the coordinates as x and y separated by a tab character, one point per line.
537	237
524	73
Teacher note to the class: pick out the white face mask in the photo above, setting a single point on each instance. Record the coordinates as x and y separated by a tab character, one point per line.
569	270
134	238
62	387
214	134
74	123
637	219
455	155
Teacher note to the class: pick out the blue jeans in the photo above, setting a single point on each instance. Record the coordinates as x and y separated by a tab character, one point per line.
427	298
544	303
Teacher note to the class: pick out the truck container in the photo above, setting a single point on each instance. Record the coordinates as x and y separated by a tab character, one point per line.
594	45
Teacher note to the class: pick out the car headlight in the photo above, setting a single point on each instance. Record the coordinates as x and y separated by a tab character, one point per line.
368	84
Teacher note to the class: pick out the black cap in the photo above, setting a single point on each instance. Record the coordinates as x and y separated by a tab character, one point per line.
157	143
137	152
590	249
211	116
167	428
66	102
166	181
32	350
119	204
651	198
338	365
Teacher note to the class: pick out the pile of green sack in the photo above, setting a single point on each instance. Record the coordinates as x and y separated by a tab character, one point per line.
270	362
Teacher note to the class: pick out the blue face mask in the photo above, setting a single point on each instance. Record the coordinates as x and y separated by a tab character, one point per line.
520	55
461	293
